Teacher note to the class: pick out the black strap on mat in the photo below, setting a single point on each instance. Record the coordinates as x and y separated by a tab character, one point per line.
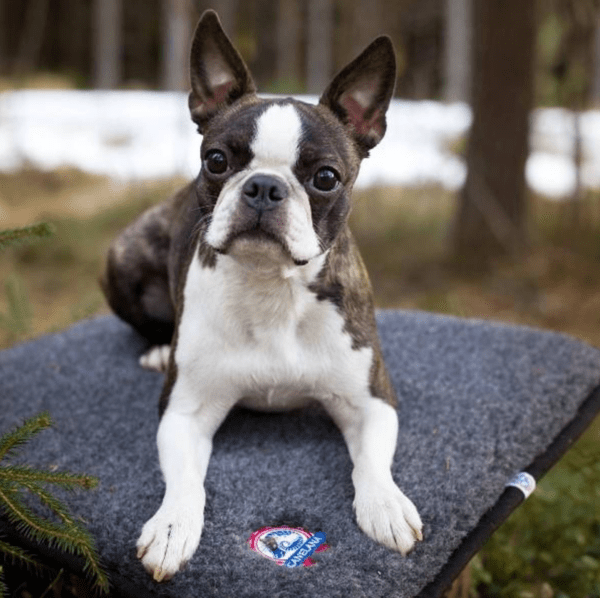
511	498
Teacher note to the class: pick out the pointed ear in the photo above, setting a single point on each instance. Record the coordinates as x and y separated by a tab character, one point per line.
360	93
218	74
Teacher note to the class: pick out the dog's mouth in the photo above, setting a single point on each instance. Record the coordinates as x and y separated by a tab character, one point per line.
259	235
258	242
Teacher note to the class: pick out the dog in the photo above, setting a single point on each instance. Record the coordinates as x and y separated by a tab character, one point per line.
251	290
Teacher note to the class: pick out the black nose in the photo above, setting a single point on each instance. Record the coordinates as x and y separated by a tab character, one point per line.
263	192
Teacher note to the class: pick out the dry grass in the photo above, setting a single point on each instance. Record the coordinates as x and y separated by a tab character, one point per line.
403	235
58	276
38	80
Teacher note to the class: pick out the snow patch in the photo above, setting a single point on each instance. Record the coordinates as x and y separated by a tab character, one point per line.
136	135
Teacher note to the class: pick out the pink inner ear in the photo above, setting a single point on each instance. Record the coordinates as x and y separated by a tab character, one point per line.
220	95
356	117
221	92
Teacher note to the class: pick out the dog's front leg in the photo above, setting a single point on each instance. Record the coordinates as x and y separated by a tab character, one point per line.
170	538
383	512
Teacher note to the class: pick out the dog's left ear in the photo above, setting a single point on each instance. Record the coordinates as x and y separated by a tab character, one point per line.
360	93
218	73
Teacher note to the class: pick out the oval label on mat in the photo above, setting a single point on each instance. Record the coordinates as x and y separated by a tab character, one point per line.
287	546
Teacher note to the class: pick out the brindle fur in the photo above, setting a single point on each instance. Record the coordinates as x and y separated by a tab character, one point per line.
147	264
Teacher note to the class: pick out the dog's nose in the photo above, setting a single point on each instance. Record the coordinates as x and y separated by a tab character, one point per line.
263	192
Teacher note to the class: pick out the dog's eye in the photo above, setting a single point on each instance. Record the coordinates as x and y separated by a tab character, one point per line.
326	179
216	162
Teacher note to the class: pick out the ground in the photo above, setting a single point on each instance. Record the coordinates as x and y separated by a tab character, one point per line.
404	235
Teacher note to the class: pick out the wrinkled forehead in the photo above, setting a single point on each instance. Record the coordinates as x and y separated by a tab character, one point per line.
280	131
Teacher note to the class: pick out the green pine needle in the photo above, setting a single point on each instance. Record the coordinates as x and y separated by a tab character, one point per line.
24	234
16	554
20	435
26	475
29	524
64	533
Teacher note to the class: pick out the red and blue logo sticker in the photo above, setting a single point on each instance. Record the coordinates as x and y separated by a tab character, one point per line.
287	546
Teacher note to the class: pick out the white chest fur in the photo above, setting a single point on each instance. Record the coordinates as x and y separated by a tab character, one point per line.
258	335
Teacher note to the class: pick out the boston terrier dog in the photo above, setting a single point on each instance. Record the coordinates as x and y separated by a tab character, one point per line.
252	291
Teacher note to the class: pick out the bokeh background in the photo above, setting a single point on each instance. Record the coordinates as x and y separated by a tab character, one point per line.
482	201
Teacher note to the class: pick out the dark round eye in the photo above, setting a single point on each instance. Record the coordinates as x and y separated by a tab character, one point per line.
326	179
216	161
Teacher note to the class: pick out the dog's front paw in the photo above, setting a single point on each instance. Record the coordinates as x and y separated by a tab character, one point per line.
156	358
169	540
385	514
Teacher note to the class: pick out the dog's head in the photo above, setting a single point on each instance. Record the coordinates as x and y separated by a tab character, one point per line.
277	174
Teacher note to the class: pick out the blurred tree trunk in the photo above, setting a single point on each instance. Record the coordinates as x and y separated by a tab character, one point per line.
289	22
492	212
227	10
32	36
319	44
107	43
458	50
76	50
141	41
177	33
575	71
263	66
367	24
596	63
3	45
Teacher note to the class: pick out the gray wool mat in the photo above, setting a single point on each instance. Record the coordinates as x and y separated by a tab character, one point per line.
479	402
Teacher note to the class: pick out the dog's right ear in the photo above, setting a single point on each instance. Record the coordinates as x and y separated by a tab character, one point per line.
218	74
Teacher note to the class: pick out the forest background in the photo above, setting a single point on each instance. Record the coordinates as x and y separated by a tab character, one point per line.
492	249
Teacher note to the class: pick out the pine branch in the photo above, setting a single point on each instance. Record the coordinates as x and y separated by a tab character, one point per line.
15	236
67	534
30	524
18	554
81	540
10	441
69	537
52	503
25	475
92	567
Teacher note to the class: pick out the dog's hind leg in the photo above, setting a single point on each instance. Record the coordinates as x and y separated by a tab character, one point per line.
136	282
156	358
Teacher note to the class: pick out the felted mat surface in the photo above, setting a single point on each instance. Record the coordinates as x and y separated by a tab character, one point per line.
479	402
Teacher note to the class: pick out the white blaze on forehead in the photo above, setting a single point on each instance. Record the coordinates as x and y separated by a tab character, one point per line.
278	132
275	147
